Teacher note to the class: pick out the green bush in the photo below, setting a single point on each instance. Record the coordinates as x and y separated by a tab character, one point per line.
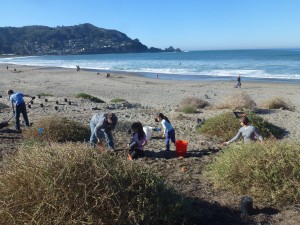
45	94
89	97
188	109
116	100
226	125
267	171
74	184
57	129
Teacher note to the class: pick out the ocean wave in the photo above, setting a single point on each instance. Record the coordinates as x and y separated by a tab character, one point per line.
214	64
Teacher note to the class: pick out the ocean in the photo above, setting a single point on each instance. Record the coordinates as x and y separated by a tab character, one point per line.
281	65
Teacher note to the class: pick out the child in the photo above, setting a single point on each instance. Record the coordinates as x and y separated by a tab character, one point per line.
137	142
169	132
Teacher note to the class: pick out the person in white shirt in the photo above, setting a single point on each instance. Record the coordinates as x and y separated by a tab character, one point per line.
169	132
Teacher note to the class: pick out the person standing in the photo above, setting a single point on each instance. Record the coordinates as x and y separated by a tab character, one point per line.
169	132
101	128
18	106
239	84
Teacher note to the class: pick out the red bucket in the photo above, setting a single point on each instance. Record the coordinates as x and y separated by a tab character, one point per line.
181	147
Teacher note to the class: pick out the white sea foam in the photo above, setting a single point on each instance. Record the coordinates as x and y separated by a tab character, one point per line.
250	64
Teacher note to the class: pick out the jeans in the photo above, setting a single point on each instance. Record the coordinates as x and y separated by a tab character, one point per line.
104	134
21	109
170	135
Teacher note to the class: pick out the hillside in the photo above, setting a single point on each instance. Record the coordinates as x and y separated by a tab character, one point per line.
64	40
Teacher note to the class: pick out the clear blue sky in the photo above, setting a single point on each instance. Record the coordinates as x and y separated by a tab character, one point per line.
185	24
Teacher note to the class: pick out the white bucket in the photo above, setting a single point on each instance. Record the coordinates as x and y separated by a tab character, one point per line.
148	132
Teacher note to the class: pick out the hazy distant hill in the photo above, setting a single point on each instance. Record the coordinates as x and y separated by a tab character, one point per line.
79	39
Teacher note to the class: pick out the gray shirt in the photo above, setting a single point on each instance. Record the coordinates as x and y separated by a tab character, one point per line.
249	133
100	122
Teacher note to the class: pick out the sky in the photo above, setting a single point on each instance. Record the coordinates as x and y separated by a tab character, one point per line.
185	24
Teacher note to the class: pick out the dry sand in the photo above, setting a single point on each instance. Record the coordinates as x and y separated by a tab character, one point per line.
145	97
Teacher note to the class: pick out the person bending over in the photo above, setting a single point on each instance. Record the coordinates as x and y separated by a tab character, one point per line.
101	128
18	106
249	132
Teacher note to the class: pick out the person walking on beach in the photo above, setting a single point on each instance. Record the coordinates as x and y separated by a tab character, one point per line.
137	142
249	132
169	132
239	84
18	106
101	128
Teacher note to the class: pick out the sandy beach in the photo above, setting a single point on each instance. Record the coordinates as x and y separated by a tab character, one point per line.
145	97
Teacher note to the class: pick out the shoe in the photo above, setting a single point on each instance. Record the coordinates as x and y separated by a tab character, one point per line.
129	157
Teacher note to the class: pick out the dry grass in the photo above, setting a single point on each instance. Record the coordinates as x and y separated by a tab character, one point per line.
278	103
74	184
237	101
192	105
268	171
57	129
198	103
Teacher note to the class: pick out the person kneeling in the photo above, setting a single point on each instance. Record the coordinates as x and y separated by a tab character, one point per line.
138	141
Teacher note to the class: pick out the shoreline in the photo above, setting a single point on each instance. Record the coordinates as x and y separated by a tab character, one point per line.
169	77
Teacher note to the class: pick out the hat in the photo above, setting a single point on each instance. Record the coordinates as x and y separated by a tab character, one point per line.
112	118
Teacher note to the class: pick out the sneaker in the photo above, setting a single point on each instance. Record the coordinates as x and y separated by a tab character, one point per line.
19	131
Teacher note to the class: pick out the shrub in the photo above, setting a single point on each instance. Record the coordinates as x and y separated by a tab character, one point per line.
45	94
267	171
57	129
240	101
266	129
89	97
188	109
278	103
192	104
226	125
195	102
116	100
73	184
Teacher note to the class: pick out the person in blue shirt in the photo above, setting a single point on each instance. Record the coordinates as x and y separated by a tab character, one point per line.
169	132
18	106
